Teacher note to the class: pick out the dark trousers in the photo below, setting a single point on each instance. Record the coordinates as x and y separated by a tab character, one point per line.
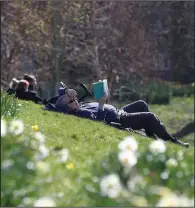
137	116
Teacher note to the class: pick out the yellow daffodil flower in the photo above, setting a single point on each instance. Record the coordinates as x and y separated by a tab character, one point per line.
70	166
35	128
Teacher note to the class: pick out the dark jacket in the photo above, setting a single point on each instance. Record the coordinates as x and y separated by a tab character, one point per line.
91	111
10	91
30	95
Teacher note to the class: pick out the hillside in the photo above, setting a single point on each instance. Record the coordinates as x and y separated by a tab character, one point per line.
91	153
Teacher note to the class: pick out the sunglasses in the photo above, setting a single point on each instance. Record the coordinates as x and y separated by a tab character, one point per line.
71	101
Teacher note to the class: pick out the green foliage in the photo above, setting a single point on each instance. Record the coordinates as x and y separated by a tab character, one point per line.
153	92
158	93
9	105
92	150
182	90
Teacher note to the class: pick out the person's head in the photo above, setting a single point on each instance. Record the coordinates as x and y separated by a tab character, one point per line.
67	102
13	84
22	85
32	81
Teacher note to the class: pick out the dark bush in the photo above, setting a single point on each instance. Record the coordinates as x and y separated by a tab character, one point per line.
153	92
182	90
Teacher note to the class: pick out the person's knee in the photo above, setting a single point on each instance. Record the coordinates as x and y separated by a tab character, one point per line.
151	116
143	104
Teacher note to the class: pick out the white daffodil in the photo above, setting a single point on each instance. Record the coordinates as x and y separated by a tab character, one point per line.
7	163
127	158
44	167
3	128
172	200
110	186
164	175
27	201
40	137
129	143
186	202
44	202
43	152
171	162
135	182
180	155
63	155
157	146
16	127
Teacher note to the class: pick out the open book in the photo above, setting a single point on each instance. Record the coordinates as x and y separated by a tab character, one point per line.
99	88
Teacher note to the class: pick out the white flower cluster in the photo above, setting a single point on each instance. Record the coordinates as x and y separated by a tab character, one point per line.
157	147
44	202
127	152
62	155
110	185
15	127
173	200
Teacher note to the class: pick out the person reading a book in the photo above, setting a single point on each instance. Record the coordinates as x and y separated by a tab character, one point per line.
135	115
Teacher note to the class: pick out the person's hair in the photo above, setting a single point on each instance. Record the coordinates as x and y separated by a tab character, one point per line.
23	85
13	84
62	101
31	79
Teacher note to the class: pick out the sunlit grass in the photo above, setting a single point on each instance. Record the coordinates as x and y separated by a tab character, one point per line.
89	143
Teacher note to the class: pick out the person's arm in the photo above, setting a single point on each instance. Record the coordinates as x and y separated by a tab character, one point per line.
85	113
40	100
37	99
100	114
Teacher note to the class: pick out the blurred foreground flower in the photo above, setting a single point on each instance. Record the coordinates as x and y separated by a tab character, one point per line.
43	166
6	164
139	201
129	143
44	202
157	146
127	158
43	152
40	137
3	128
70	166
172	200
16	127
135	182
110	186
171	162
35	128
63	155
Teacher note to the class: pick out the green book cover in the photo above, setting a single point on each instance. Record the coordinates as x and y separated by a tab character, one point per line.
99	88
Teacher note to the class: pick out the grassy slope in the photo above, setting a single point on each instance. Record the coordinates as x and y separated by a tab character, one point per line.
89	141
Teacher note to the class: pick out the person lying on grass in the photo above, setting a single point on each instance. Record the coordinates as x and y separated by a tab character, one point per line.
21	92
135	115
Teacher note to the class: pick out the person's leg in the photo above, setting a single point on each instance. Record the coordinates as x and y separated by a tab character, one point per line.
147	121
138	106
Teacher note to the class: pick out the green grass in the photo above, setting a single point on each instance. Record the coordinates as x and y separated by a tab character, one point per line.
89	143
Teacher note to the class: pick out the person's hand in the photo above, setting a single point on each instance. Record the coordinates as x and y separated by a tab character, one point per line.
71	93
103	100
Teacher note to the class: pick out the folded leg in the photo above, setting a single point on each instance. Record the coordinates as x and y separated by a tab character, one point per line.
138	106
